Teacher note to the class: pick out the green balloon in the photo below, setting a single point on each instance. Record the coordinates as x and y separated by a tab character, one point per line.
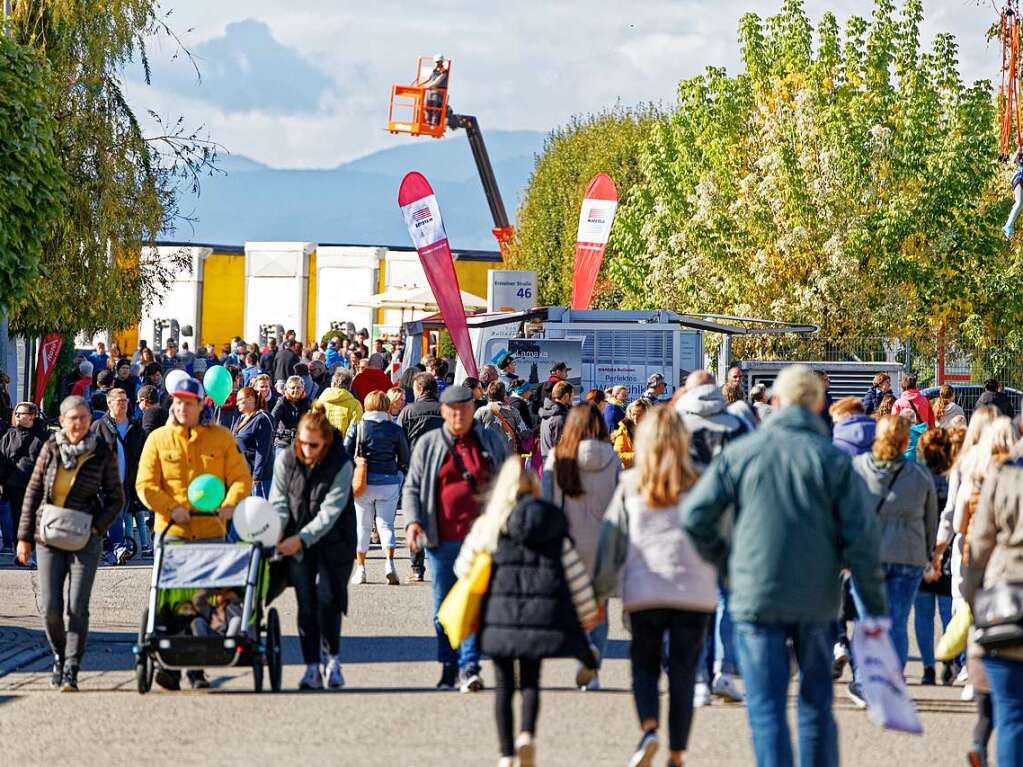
218	384
206	492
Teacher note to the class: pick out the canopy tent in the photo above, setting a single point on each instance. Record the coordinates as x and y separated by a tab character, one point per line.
413	298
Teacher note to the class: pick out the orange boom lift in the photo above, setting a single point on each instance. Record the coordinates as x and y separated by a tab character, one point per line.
421	109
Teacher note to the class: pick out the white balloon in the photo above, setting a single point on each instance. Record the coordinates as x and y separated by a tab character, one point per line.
173	377
256	521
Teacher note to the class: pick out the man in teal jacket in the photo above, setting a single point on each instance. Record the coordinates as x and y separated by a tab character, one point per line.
800	515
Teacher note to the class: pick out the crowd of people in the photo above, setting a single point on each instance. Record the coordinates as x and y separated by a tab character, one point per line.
743	531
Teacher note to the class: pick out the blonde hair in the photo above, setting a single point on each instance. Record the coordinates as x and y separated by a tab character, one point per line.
376	400
946	396
513	481
982	418
994	447
891	438
799	385
663	466
846	407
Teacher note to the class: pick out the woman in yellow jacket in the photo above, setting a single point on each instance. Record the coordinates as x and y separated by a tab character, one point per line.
180	451
626	431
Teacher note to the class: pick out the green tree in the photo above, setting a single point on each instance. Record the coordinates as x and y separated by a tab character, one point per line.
32	186
94	270
548	218
848	180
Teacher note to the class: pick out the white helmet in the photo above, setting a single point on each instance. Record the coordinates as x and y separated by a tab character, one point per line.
438	58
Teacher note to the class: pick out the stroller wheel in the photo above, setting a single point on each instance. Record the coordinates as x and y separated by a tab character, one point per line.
144	667
274	661
132	548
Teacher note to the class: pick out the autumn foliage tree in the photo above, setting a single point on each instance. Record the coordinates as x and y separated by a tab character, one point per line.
847	177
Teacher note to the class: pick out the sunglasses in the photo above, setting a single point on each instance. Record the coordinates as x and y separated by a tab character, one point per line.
313	445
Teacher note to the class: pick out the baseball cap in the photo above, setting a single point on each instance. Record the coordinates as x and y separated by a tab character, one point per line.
523	388
188	388
654	379
502	358
560	366
455	395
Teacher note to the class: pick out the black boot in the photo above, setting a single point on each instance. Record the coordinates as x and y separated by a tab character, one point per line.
70	682
57	675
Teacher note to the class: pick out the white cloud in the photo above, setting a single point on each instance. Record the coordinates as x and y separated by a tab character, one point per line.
527	65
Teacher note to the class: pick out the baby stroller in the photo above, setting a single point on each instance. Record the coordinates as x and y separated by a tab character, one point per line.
179	571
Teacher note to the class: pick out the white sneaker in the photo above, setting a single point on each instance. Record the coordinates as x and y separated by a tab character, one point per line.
525	749
335	679
967	693
701	695
390	573
964	675
358	575
593	685
840	661
724	687
311	679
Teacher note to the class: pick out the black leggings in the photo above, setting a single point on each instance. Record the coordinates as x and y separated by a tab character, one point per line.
985	720
685	631
529	683
320	582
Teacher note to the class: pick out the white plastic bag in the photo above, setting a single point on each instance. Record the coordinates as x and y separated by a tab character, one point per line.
880	674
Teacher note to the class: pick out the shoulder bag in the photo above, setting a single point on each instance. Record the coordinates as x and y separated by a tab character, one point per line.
998	616
360	476
64	529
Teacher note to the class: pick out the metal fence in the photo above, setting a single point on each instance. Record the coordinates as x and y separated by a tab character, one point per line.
964	362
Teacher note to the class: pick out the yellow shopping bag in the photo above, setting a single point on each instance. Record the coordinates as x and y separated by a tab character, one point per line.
459	613
956	636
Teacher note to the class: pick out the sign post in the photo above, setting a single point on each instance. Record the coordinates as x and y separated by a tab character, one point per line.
511	290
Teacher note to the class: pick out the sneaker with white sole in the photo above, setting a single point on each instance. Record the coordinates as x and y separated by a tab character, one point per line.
311	679
841	660
391	574
967	694
724	687
963	676
470	680
335	679
855	693
358	575
701	695
644	753
525	750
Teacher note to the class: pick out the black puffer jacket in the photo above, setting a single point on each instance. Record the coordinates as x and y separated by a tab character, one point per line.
528	610
19	449
286	415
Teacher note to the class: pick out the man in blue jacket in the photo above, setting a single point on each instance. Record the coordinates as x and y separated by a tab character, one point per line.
801	514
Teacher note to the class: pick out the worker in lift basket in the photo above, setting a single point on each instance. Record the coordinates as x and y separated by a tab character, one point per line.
436	85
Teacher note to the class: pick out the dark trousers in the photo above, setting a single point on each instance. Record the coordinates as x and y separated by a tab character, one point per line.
529	684
15	497
77	571
320	580
682	632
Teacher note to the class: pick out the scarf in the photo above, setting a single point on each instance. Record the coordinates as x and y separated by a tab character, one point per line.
69	454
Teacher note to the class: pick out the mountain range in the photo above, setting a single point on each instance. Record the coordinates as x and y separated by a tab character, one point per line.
357	202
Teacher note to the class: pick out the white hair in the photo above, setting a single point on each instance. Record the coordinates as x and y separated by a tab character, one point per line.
799	385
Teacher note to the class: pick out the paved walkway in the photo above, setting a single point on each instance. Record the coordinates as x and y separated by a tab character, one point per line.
389	714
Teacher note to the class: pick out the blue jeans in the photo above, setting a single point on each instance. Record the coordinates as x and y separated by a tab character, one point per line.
115	533
1006	678
720	642
764	661
442	564
137	517
923	622
900	584
6	524
261	488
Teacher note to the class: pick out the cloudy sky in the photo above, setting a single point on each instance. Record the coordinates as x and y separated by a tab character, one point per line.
305	84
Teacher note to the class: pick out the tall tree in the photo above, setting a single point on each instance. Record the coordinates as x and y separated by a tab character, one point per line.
121	182
853	183
548	218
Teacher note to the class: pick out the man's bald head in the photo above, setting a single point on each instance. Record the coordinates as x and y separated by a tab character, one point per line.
698	378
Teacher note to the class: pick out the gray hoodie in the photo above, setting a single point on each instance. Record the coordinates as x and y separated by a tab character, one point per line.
909	514
710	426
599	468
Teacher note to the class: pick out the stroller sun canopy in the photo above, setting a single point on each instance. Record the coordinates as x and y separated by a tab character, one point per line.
205	566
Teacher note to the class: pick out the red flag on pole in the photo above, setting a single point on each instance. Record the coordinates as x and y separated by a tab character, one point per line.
422	216
595	219
48	351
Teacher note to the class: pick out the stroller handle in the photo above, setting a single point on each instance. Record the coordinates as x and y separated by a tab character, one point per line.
163	533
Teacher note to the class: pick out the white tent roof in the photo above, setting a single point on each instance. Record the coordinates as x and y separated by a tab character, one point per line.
411	297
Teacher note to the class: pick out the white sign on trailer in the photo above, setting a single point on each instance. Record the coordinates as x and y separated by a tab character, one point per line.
511	290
